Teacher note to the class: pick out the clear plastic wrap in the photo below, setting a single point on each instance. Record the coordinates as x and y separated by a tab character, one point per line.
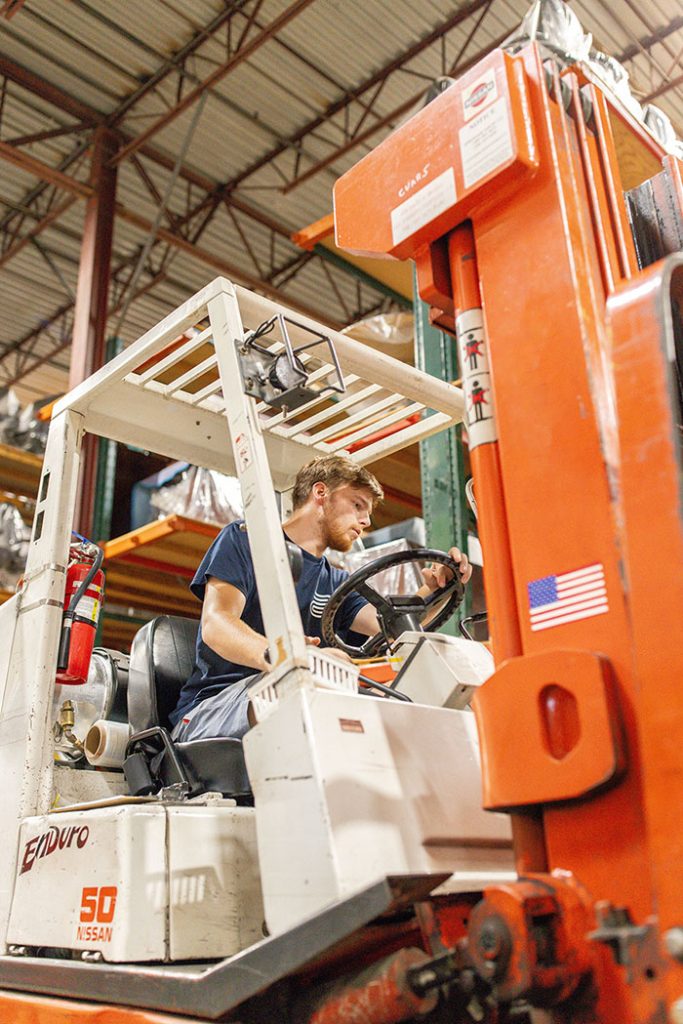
661	127
392	333
402	579
200	494
14	540
557	30
9	415
616	78
20	427
554	26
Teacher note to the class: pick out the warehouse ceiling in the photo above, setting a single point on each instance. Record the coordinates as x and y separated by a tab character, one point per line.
228	122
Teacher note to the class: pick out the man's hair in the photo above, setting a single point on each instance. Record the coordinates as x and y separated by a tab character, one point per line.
333	471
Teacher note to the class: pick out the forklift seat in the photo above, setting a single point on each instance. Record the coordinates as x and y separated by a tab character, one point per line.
161	661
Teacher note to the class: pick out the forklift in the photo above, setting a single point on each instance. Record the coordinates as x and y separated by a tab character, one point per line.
400	880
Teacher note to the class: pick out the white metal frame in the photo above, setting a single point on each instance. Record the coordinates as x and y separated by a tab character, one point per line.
126	402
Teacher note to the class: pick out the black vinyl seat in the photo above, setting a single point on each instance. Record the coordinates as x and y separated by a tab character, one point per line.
161	661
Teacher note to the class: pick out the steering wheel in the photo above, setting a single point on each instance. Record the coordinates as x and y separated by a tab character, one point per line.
396	614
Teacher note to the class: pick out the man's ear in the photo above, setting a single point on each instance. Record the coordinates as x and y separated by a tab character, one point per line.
319	491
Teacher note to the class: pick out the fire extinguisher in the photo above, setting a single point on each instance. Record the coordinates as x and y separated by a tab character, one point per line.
83	599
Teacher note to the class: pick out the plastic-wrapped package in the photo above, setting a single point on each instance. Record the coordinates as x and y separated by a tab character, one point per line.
557	30
401	579
660	125
20	427
202	494
31	433
14	540
554	26
392	333
616	78
9	415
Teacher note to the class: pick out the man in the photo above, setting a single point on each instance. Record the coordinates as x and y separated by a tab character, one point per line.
333	499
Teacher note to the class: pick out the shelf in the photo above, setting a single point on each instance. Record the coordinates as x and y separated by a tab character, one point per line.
19	471
150	568
119	626
148	572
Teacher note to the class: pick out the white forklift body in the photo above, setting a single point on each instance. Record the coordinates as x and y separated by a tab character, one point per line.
348	788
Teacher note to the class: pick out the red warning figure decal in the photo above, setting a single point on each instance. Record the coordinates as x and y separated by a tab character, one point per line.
476	378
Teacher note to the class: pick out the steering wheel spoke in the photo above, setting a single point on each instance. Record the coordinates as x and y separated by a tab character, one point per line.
442	593
372	645
389	611
373	597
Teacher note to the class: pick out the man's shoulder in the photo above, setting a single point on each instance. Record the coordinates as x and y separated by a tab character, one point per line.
234	533
228	559
231	542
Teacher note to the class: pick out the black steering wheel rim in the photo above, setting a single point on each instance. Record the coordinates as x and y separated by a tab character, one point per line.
453	590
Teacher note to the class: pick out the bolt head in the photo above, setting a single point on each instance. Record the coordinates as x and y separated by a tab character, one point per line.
673	942
489	941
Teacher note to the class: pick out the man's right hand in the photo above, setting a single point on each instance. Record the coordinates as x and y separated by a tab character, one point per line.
314	641
336	653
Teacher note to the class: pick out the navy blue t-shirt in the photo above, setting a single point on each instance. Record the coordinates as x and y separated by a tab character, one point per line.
229	559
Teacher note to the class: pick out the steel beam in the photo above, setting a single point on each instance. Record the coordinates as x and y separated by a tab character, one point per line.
52	94
90	315
661	89
383	122
93	277
215	192
31	165
354	94
42	224
242	54
62	313
68	104
176	61
646	43
222	266
10	8
78	188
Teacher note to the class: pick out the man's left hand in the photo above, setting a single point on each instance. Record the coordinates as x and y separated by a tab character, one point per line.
438	575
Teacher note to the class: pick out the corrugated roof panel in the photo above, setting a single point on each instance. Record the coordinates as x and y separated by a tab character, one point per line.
101	53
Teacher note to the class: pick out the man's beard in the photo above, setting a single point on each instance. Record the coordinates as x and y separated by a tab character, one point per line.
335	538
338	540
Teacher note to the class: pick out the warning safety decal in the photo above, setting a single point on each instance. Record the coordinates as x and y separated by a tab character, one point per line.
485	143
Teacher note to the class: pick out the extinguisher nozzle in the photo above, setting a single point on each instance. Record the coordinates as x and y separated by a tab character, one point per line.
64	643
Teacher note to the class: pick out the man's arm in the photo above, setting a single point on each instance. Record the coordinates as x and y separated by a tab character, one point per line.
225	632
366	621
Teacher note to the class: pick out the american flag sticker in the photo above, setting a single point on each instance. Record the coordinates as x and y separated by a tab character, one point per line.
580	594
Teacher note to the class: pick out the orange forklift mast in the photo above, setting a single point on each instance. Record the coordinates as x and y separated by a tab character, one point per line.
564	294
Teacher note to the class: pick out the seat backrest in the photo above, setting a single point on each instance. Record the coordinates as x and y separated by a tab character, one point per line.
161	661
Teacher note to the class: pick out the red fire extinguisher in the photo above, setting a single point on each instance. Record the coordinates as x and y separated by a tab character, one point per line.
82	606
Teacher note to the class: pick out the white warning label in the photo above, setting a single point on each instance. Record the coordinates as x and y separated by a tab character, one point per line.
423	206
88	608
485	143
242	452
476	378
